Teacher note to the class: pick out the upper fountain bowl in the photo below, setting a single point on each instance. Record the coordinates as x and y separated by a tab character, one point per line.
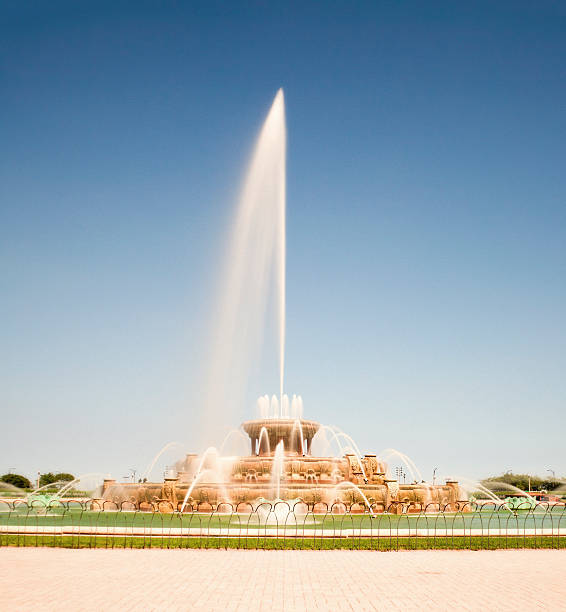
266	434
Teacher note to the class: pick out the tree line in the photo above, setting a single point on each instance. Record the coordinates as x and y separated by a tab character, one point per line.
21	482
526	482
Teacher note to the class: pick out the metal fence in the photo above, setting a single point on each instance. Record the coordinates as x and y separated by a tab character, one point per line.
88	524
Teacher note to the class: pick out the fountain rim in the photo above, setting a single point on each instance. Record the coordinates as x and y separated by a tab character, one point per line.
281	420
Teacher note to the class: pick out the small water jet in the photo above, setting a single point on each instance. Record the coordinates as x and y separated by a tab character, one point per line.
263	438
350	485
198	477
298	431
415	473
471	487
277	470
238	433
163	450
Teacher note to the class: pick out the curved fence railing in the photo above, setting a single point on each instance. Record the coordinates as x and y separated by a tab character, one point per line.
90	524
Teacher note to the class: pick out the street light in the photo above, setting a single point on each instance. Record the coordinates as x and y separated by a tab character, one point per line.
434	475
552	472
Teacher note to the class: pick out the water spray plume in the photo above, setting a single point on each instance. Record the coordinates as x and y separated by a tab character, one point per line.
254	269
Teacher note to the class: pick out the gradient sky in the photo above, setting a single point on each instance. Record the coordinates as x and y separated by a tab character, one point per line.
426	223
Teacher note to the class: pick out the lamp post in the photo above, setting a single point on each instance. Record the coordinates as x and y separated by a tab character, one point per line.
434	476
553	473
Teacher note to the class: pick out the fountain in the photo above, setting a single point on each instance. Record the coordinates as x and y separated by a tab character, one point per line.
281	465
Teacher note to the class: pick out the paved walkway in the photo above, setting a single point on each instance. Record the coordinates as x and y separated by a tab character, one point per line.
59	579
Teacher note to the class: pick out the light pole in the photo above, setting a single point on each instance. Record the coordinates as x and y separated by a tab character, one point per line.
434	475
553	473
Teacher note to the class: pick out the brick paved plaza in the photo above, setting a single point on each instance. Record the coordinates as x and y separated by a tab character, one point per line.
56	579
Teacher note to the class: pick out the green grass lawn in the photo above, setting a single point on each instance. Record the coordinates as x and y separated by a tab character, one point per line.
288	543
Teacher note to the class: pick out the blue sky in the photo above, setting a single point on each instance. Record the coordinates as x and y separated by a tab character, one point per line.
426	223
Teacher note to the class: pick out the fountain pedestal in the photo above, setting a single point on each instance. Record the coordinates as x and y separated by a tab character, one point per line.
296	435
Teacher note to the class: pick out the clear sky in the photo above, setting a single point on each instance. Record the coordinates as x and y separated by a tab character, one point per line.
426	223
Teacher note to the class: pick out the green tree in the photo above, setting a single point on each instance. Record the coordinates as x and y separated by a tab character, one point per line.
49	478
16	480
521	481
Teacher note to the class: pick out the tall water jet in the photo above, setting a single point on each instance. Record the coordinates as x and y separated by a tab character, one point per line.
255	265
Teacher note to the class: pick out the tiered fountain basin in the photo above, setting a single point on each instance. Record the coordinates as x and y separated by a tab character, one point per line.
281	467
